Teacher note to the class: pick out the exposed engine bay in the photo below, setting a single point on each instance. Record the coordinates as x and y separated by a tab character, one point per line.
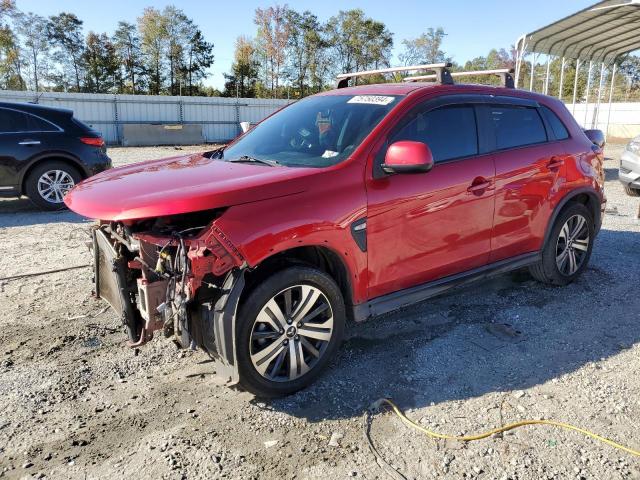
167	274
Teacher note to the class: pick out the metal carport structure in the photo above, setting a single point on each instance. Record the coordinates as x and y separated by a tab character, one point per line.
600	34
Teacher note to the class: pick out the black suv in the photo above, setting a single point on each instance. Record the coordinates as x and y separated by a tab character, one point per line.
45	151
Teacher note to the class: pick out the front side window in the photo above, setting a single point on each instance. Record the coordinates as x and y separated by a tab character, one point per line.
314	132
516	126
12	121
450	132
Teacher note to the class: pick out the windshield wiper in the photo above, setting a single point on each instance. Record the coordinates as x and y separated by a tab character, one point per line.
248	159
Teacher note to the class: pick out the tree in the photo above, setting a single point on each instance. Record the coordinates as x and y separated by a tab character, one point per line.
65	34
34	32
176	30
305	51
273	35
199	57
102	64
10	57
127	45
427	48
153	35
358	42
242	80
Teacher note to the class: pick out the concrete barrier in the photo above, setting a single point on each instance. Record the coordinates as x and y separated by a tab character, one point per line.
134	135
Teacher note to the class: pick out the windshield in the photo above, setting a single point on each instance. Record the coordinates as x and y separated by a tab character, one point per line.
314	132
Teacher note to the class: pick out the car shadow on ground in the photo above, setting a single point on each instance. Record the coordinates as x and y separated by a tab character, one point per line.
507	333
20	212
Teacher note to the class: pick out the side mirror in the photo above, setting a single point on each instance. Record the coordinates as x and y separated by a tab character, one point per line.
408	157
596	136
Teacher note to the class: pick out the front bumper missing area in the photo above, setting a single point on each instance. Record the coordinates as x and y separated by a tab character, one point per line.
210	325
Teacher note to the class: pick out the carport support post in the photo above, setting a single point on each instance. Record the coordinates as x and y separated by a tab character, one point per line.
546	78
533	70
575	87
561	79
586	98
613	78
596	113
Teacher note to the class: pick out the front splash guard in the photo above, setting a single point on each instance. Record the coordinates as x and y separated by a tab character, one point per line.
219	326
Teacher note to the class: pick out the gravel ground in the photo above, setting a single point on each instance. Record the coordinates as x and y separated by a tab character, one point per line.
76	403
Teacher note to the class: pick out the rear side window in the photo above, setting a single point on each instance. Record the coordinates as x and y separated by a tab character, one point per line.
516	126
36	124
12	121
450	132
558	128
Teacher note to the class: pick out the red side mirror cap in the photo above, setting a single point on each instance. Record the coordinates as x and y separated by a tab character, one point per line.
408	157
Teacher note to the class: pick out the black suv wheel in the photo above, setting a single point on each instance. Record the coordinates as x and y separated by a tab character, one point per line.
49	182
288	329
567	252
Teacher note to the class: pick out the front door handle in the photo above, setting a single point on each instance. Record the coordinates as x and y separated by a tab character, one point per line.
555	163
29	142
479	185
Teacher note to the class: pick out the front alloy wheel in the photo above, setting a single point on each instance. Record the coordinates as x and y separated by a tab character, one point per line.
291	333
289	328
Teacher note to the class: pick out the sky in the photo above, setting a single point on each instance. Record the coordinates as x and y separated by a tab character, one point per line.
472	27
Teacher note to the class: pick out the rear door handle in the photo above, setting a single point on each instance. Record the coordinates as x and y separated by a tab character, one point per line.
555	163
478	185
29	142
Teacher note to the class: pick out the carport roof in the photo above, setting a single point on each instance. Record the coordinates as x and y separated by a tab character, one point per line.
601	32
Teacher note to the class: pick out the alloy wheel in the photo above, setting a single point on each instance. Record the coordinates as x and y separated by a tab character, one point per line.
291	333
53	185
573	245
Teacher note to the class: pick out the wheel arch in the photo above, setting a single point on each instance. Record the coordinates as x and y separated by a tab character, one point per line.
58	157
321	257
585	196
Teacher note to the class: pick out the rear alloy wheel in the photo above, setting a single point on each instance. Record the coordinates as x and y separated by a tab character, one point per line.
568	248
48	183
290	327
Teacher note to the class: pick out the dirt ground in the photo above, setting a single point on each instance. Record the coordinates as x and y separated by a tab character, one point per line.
75	402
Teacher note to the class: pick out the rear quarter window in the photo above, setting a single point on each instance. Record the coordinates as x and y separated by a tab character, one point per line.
557	127
516	126
36	124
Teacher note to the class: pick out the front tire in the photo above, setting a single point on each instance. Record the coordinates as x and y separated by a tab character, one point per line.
49	182
288	330
568	249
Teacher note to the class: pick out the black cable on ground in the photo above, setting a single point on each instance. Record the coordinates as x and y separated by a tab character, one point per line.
47	272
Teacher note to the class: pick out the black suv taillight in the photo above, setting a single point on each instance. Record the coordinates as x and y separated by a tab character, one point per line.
93	141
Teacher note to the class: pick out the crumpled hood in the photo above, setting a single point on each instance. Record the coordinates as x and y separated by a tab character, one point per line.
179	185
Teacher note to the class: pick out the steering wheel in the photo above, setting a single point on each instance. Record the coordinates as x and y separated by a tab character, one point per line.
302	139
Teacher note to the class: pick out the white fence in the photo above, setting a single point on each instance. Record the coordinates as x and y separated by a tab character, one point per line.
624	121
219	117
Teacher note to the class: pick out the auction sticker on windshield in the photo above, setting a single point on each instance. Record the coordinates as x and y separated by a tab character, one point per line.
372	99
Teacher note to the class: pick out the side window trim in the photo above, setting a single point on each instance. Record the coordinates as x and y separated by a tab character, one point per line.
56	128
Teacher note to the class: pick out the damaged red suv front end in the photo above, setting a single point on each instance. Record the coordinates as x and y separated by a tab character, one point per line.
182	282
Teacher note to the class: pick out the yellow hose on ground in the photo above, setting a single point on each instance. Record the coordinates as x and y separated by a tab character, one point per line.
510	426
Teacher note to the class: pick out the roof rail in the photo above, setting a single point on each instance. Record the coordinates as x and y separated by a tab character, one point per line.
505	74
441	75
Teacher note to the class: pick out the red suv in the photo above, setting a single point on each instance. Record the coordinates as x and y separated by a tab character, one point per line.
342	206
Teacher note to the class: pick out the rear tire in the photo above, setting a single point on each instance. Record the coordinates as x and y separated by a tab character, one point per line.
48	183
568	249
289	328
632	192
